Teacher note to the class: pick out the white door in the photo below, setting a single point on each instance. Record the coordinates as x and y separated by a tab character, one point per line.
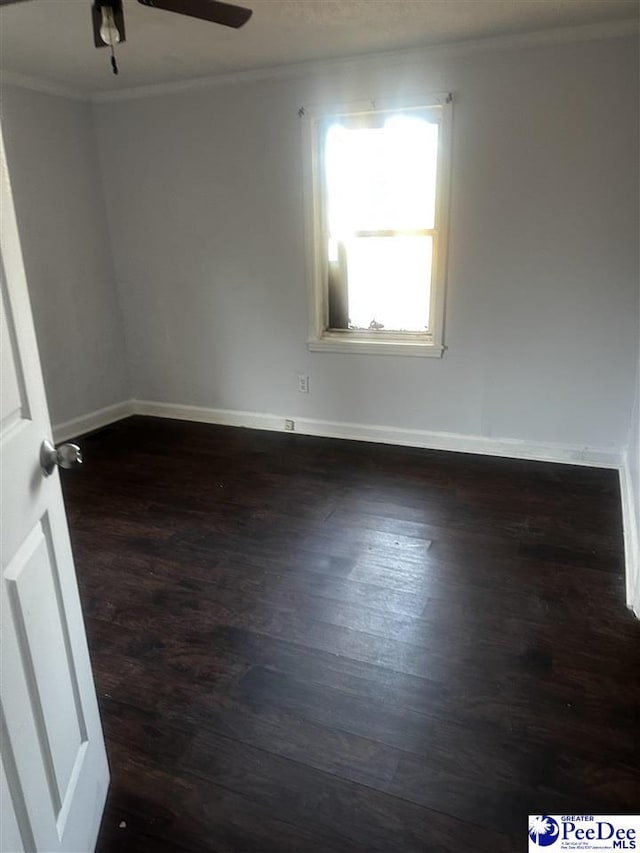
53	774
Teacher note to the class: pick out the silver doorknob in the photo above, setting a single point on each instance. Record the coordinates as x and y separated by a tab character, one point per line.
65	456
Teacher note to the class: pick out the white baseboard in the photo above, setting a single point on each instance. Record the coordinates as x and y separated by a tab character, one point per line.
93	420
503	447
631	538
508	447
200	414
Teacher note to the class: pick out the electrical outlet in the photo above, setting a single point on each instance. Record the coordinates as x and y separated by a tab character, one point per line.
303	383
289	425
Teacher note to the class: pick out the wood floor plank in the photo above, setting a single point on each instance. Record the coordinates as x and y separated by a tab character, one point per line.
305	644
172	811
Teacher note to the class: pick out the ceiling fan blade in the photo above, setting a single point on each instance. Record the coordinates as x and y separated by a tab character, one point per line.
207	10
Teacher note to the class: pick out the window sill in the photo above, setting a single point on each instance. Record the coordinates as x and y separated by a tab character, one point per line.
423	349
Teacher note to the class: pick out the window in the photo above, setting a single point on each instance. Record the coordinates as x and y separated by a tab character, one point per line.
377	201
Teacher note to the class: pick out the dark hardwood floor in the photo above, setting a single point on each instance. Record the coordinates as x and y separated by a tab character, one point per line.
306	644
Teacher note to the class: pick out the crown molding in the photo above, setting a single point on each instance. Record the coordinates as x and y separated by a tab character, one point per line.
45	87
563	35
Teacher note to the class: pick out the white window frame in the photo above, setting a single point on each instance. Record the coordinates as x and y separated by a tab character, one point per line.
322	339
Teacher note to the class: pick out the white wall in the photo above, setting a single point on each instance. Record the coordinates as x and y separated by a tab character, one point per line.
204	199
634	451
630	482
59	202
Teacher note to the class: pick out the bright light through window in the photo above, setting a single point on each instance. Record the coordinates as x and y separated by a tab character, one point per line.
380	178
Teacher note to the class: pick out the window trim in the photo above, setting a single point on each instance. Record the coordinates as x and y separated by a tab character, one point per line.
321	339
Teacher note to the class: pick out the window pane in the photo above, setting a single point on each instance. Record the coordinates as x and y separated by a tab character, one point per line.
381	178
389	282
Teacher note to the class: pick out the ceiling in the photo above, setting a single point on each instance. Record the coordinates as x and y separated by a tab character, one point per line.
52	39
